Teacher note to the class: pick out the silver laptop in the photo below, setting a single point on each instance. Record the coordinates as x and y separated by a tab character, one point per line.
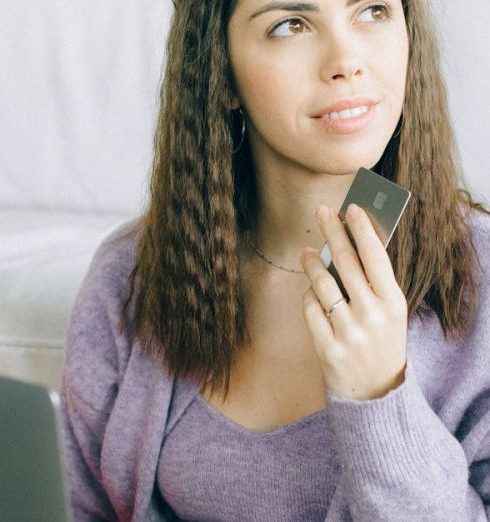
32	477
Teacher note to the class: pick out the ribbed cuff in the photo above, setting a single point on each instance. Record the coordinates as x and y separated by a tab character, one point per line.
389	440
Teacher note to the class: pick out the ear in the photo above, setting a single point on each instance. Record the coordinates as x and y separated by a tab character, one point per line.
235	103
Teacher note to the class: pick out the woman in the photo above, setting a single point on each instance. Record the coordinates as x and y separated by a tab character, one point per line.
238	384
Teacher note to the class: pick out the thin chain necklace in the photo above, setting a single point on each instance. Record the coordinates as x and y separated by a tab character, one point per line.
259	253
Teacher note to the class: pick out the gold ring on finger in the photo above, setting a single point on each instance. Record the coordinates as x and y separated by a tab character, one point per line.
334	306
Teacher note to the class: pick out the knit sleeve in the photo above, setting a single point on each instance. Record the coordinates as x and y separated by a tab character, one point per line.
88	390
83	433
96	353
400	462
107	465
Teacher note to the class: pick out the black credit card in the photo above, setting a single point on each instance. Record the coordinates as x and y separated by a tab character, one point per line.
384	203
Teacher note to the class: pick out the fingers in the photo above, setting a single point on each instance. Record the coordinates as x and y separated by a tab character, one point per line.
365	274
344	256
375	260
327	292
315	319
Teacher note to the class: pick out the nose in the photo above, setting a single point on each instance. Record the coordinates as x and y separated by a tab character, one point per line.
342	59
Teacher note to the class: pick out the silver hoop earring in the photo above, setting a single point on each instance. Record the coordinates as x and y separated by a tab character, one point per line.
399	131
243	132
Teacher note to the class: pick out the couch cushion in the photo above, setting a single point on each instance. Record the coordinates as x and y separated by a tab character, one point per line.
43	259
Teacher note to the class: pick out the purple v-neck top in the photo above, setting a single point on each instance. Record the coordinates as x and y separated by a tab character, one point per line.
213	466
140	446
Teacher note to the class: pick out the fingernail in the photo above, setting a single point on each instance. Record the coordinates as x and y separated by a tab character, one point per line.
353	210
323	214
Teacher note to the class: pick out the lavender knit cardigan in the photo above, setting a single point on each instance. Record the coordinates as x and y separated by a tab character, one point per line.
421	453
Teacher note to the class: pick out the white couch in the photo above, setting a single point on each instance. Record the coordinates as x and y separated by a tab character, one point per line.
78	101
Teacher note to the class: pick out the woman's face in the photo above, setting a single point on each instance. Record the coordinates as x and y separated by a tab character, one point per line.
290	65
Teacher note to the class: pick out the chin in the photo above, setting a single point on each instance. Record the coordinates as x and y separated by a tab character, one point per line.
343	167
352	157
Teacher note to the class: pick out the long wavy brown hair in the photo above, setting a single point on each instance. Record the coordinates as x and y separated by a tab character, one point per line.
185	288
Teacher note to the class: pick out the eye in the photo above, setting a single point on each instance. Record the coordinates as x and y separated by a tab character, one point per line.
292	22
376	9
297	23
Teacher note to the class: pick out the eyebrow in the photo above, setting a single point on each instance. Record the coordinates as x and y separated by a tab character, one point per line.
293	6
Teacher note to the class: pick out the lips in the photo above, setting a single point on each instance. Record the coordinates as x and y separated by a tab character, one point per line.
346	104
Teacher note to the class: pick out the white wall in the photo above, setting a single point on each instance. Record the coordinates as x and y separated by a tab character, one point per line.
465	44
77	101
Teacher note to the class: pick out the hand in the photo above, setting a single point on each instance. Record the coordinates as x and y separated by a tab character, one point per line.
362	345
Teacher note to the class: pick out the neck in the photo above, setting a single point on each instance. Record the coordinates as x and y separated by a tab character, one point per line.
286	218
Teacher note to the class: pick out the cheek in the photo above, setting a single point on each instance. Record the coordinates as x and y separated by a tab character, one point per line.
395	71
403	49
269	85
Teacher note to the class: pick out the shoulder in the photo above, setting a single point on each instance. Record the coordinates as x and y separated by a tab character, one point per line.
114	258
480	223
480	226
479	331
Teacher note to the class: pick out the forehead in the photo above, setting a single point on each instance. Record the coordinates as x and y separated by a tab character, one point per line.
250	10
260	6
